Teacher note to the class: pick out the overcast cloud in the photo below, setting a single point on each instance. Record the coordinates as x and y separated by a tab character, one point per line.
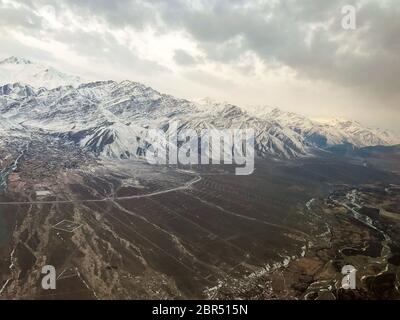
293	54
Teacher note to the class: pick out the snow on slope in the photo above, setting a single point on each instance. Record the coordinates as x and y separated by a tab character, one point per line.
271	137
6	125
359	135
325	133
112	119
10	129
14	69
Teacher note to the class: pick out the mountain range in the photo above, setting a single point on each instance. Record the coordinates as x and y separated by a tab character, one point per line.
111	119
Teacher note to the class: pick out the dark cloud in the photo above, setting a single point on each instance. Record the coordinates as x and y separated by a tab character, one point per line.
276	31
19	18
305	35
183	58
119	14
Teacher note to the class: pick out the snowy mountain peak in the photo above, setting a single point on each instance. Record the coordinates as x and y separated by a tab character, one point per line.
16	69
224	108
338	122
359	135
15	60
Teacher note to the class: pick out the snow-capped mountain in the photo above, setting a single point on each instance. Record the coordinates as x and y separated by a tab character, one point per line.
14	69
330	132
359	135
112	119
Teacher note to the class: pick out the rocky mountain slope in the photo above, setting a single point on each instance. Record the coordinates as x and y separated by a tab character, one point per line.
112	119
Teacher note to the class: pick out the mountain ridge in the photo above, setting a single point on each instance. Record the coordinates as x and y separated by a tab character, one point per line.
16	69
112	118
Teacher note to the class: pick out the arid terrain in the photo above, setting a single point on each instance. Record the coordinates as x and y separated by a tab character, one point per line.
131	230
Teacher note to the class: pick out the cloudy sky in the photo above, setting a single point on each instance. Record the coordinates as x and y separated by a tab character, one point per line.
293	54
